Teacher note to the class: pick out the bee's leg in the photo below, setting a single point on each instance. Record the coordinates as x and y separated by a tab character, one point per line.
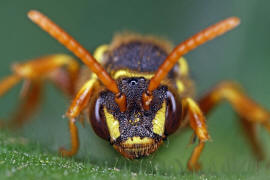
34	72
77	106
250	112
251	134
30	103
197	123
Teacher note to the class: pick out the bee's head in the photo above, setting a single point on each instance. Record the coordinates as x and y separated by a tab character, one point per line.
136	132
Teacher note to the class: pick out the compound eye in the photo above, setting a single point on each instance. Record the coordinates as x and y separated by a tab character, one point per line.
173	113
98	120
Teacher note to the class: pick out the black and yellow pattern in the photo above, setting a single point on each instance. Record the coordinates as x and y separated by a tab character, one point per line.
137	132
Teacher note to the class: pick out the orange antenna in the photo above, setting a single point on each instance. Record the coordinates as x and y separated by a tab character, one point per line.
188	45
64	38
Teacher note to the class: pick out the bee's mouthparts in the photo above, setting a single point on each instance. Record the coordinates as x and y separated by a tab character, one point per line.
137	147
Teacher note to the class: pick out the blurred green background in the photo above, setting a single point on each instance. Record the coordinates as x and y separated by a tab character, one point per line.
242	55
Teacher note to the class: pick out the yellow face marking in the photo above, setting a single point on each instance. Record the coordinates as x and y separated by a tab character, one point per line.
128	73
98	54
113	125
183	66
159	120
138	140
180	86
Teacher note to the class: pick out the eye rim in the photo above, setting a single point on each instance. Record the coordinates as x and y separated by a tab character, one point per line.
173	113
97	119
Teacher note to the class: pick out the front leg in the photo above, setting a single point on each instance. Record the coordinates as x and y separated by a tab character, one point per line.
197	123
77	106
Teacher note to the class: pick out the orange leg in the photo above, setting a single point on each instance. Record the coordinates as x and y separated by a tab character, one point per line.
197	123
34	72
30	103
77	106
251	134
250	113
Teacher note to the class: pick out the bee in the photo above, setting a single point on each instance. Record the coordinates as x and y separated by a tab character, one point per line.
137	93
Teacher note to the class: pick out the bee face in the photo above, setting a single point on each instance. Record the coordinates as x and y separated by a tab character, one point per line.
135	132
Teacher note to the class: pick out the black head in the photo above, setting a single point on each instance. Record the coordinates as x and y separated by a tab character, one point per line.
136	132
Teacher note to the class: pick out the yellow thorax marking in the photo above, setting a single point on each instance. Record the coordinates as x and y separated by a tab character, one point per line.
98	54
180	86
183	66
138	140
159	120
128	73
112	124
